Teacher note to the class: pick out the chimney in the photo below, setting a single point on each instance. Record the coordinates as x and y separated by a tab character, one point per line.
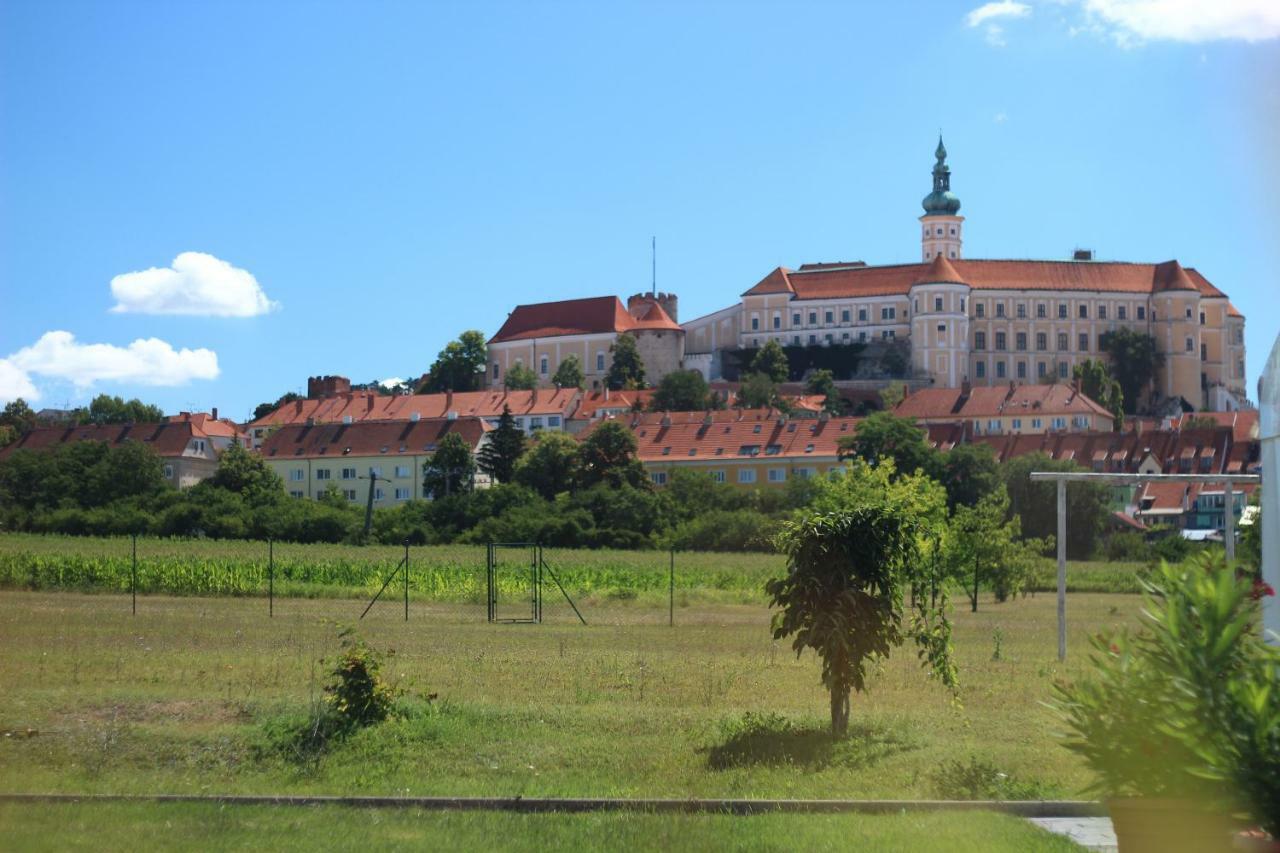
448	399
1082	255
966	388
606	393
369	406
297	406
666	420
214	413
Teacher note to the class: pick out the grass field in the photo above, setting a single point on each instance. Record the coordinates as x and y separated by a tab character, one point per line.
197	695
167	827
443	573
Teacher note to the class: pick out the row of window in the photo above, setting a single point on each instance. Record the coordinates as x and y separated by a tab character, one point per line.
544	365
887	313
297	475
747	475
995	425
1020	368
1042	341
351	494
829	338
1042	311
937	304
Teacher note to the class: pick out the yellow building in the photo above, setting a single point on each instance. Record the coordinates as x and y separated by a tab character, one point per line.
312	459
990	322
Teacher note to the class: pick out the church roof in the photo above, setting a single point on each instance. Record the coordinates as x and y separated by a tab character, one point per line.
594	315
897	279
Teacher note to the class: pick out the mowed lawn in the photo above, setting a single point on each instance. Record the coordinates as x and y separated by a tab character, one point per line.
197	695
144	827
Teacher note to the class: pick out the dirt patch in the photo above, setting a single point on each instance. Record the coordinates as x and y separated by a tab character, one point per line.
174	711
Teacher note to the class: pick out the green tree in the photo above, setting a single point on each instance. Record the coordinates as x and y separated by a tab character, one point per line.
263	409
608	455
569	374
8	435
550	466
499	455
884	434
520	378
982	545
459	366
969	472
1134	360
451	470
1036	503
106	409
822	381
758	391
19	416
843	593
1097	385
892	394
681	391
771	360
627	369
248	475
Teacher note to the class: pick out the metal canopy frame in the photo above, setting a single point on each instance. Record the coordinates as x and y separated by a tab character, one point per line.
1061	478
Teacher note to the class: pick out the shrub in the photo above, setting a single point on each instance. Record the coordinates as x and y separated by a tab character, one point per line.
979	779
357	694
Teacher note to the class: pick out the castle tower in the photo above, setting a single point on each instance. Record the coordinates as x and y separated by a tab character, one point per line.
942	231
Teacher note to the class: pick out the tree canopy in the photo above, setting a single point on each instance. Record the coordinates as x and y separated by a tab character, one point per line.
772	361
451	470
569	374
550	465
850	560
681	391
608	455
1036	503
106	409
885	434
264	409
247	474
498	456
1096	384
627	369
1134	360
459	366
520	378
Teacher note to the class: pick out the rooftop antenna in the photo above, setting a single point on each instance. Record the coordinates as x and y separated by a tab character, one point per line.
654	257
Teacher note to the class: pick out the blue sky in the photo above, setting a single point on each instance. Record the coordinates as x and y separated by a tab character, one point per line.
387	175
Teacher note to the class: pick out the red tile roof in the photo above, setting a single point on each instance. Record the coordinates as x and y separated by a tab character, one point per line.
793	440
997	401
368	406
593	403
594	315
1089	276
369	438
205	425
166	439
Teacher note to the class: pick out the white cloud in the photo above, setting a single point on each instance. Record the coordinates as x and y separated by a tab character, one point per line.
146	361
1001	118
1001	9
15	383
1132	21
196	284
987	15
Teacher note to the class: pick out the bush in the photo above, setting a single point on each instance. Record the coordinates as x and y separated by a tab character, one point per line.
1126	546
979	779
720	530
357	694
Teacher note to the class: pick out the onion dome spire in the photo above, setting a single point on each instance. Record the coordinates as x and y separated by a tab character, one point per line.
941	202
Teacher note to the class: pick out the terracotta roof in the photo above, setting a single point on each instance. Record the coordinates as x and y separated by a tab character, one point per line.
716	416
205	425
824	282
369	438
594	315
793	440
166	439
368	406
593	402
997	401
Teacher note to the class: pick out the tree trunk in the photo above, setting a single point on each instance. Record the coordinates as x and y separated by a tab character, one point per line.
839	712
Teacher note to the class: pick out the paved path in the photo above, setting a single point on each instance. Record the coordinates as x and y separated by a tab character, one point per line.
1094	833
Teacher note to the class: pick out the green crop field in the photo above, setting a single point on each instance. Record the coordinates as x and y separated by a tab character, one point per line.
442	573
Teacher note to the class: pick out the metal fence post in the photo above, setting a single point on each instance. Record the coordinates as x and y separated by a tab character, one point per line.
1229	523
133	575
271	579
406	580
671	592
1062	570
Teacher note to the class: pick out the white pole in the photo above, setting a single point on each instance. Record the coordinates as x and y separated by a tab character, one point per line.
1269	518
1062	570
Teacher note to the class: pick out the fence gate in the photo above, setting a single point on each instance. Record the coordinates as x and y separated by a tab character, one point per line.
514	571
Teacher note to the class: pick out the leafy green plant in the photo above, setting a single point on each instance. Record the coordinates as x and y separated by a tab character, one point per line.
1148	711
357	694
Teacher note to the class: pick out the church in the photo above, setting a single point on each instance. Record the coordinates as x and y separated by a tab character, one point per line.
989	322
